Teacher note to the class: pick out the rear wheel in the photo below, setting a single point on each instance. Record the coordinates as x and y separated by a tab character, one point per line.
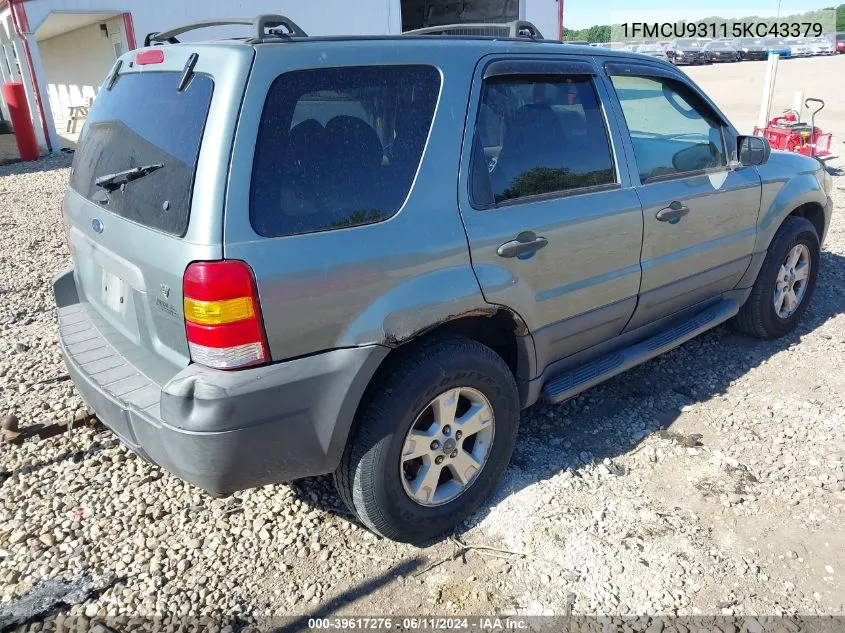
432	441
786	283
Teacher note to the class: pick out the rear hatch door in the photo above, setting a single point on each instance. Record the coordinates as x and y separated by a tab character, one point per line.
146	193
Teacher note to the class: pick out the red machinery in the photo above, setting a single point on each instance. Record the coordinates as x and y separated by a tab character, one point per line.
787	132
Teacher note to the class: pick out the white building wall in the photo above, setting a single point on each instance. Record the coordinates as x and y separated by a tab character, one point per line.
317	17
544	15
72	60
75	64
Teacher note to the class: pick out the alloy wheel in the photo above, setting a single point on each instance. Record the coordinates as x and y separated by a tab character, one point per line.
792	281
447	446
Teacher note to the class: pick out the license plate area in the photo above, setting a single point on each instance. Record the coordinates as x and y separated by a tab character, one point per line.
114	293
115	302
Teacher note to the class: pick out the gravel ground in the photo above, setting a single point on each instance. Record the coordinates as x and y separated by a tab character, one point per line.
708	481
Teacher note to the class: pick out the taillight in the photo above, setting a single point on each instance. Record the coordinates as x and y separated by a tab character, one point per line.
223	316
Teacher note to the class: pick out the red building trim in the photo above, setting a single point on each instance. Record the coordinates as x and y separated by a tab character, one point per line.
19	14
129	29
21	26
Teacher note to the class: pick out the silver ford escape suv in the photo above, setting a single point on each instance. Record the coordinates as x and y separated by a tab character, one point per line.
365	256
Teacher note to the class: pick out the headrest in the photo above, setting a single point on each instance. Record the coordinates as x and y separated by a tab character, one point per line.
352	139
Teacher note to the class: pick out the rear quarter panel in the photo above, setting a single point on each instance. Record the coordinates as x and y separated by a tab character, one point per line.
378	283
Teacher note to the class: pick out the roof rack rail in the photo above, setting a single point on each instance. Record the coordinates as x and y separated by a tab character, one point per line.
515	29
263	26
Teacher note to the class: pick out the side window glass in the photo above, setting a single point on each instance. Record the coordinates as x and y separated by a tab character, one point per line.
339	147
538	135
672	130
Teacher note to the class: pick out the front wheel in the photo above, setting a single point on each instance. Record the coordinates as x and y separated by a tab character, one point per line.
786	282
432	440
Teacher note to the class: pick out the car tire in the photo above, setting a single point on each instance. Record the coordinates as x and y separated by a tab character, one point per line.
382	481
759	316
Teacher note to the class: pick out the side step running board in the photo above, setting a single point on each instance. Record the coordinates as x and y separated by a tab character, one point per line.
577	380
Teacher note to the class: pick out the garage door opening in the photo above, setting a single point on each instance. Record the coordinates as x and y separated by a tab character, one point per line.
417	14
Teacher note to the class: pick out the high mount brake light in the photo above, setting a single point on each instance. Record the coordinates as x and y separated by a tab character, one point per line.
154	56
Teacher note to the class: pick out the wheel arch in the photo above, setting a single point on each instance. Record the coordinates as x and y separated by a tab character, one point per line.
801	196
499	328
439	303
814	212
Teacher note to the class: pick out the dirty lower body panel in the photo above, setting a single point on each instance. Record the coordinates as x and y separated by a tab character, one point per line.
220	430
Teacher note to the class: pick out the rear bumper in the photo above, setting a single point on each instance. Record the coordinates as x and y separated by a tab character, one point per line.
221	431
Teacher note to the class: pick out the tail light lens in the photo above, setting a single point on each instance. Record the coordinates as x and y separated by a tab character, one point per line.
223	316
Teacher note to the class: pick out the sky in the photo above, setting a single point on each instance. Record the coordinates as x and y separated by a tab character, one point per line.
580	14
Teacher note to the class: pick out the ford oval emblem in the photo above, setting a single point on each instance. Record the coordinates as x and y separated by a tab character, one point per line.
97	225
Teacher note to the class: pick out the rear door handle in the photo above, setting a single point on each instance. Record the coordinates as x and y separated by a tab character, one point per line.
525	243
672	213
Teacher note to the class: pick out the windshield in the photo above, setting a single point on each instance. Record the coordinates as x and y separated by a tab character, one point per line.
775	42
722	46
144	121
747	41
688	43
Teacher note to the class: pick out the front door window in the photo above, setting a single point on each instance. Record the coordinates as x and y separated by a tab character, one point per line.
672	131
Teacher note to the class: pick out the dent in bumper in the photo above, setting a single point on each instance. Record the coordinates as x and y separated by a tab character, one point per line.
227	431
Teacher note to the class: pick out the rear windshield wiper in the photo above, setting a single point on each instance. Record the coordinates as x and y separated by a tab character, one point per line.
111	182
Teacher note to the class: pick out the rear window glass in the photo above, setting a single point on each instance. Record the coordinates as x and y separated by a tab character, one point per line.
145	121
339	147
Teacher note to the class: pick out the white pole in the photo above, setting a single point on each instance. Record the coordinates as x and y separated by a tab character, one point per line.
798	102
29	89
6	77
38	71
774	83
768	91
10	57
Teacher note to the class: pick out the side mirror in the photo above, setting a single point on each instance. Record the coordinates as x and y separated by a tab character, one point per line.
753	150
